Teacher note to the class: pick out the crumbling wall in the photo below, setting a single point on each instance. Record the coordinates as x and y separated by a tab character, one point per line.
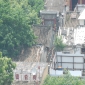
44	34
41	32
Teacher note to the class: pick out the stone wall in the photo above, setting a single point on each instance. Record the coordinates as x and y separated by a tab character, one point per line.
44	34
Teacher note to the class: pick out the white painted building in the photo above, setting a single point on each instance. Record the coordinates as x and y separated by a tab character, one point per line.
79	35
67	35
29	72
79	32
74	37
79	7
74	62
82	18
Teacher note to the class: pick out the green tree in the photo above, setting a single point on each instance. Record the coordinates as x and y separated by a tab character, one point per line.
37	5
6	70
66	79
58	43
16	19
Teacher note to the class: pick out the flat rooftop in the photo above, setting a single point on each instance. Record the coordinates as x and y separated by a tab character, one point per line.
48	12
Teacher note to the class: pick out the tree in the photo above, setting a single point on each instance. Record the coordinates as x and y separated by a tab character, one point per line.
6	70
66	79
37	5
58	43
16	19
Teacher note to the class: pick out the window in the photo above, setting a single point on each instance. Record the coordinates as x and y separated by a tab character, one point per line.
17	76
84	60
82	50
26	77
84	22
34	77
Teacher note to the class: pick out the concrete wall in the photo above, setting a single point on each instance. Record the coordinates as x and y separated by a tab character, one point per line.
81	22
79	35
44	35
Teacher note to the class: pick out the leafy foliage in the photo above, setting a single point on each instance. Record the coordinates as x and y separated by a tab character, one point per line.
59	45
66	79
6	70
16	18
37	5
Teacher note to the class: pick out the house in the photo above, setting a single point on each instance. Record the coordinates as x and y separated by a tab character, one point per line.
71	4
50	18
79	35
74	62
79	31
74	35
80	7
28	71
82	18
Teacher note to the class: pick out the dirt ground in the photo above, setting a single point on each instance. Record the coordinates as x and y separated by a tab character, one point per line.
45	73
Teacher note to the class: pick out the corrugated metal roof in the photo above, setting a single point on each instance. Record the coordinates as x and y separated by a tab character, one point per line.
69	55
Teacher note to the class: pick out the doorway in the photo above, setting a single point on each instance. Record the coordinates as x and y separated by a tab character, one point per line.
74	3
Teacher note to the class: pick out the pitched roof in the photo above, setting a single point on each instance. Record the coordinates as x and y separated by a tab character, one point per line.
82	15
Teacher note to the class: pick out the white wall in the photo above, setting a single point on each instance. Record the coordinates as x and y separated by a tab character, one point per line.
80	7
60	72
79	35
67	62
81	22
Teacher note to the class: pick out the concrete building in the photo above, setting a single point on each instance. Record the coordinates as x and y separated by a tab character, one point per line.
50	18
79	35
80	7
82	18
29	72
79	32
74	62
74	35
